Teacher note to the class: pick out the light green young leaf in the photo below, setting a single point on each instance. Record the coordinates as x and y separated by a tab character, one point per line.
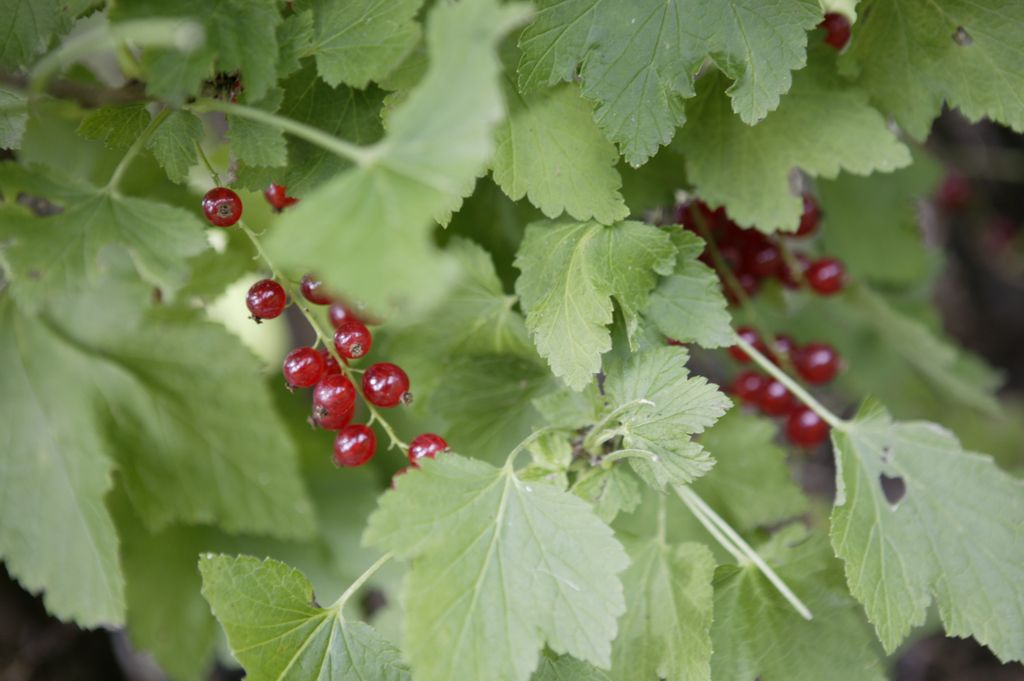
688	304
609	490
357	41
29	25
757	635
278	632
174	144
915	55
666	631
750	484
659	408
956	535
822	126
13	122
550	151
567	668
500	567
294	41
439	140
568	282
258	144
639	58
116	126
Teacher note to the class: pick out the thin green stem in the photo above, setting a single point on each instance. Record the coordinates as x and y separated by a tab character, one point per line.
795	388
594	438
620	454
360	581
693	501
713	530
209	166
133	151
352	152
527	441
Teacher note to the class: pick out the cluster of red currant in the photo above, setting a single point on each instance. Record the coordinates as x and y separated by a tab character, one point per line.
752	256
383	384
816	363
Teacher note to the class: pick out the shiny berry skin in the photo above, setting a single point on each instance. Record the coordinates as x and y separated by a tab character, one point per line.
352	339
303	367
774	399
805	428
809	219
340	312
354	445
222	207
386	385
749	335
313	290
826	276
747	386
330	364
837	29
817	363
265	299
334	401
277	197
954	193
763	261
426	445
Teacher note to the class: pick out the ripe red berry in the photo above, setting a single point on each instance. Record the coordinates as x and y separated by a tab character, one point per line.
817	362
330	364
386	385
303	367
774	399
826	276
426	445
265	299
352	339
763	261
810	218
954	193
334	401
837	29
712	219
805	428
222	207
354	445
340	312
791	279
747	386
313	290
277	197
749	335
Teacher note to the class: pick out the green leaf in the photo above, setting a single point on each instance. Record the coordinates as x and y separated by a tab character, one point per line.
568	281
28	27
294	41
688	304
72	249
258	144
116	126
666	631
751	485
12	122
499	568
439	141
357	41
550	151
567	668
240	36
915	55
955	536
757	635
609	490
174	144
821	127
658	408
639	59
277	630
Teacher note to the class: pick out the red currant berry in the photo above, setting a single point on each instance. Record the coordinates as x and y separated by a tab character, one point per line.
805	428
732	256
313	290
817	362
352	339
749	335
386	385
763	261
747	386
774	399
426	445
334	401
265	300
277	197
810	218
954	193
354	445
340	312
673	342
791	279
330	364
692	212
783	346
222	207
303	367
837	29
826	276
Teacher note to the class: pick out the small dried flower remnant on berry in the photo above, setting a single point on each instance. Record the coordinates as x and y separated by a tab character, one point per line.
352	339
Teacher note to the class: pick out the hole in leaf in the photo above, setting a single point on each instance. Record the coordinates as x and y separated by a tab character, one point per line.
894	489
961	37
886	455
